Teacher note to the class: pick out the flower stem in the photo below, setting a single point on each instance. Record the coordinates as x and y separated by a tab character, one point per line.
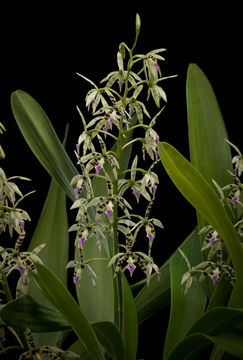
118	297
133	141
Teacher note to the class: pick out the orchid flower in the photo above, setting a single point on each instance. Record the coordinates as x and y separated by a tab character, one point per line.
99	166
130	265
215	275
83	237
149	234
109	210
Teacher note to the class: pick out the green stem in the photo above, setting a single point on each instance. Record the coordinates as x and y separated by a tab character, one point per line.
140	83
145	127
135	169
117	280
118	289
23	197
132	215
95	259
4	207
133	141
89	132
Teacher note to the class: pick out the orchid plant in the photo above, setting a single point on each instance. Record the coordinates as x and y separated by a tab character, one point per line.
97	315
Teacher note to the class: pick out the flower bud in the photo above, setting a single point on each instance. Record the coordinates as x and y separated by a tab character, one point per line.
122	50
138	23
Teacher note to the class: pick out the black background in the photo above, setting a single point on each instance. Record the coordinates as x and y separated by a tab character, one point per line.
43	46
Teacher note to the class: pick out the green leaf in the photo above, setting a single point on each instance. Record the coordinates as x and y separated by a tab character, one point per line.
97	303
79	349
209	152
130	321
52	229
110	338
58	295
25	312
205	200
154	297
126	153
217	326
193	345
185	309
42	139
217	320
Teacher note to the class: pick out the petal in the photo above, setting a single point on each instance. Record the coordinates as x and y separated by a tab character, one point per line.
211	240
131	269
76	191
110	121
77	148
137	195
21	269
76	280
156	66
234	200
21	224
97	169
109	213
150	236
214	278
82	240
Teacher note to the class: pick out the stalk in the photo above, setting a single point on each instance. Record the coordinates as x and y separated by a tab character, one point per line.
118	289
118	295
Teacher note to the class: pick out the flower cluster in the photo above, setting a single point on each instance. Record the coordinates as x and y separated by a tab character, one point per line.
13	218
117	113
213	245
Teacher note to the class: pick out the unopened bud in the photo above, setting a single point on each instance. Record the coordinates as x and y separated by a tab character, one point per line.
138	23
122	50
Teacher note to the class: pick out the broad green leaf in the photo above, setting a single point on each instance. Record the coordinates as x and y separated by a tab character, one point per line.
78	348
217	326
217	320
26	312
193	345
185	309
126	153
52	229
97	303
130	322
205	200
209	152
154	296
110	338
42	139
157	295
58	295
